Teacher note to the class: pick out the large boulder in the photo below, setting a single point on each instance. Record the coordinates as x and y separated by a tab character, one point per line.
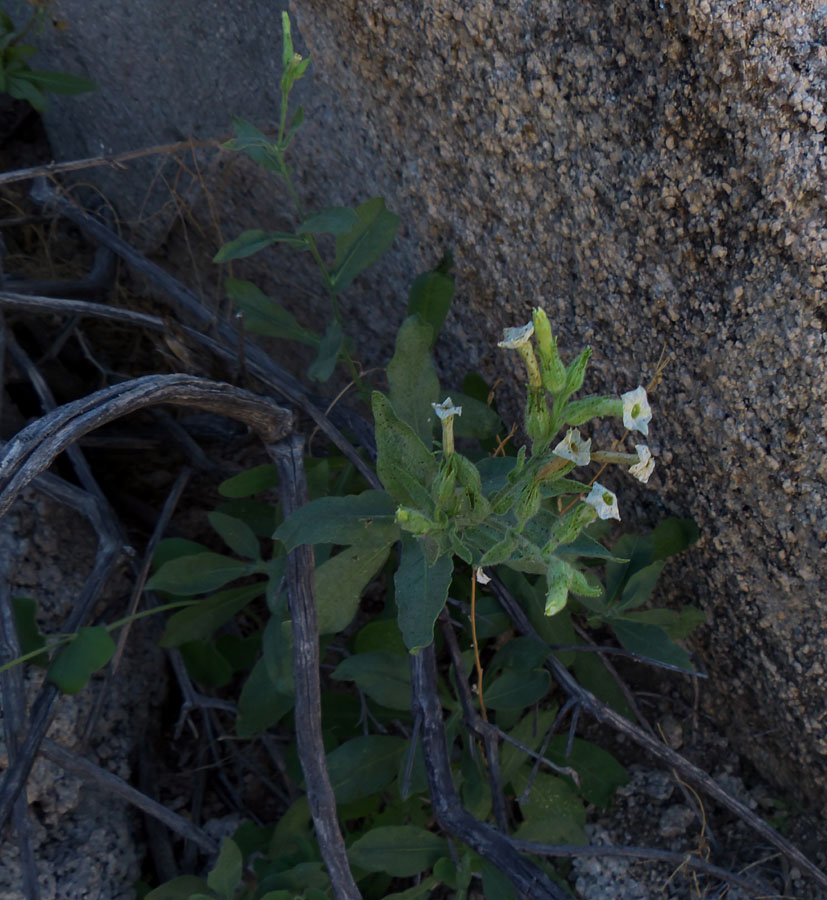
652	173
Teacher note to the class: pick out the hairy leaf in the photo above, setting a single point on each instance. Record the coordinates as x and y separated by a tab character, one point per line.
364	765
364	244
199	621
264	315
341	520
399	850
384	677
421	593
412	378
90	650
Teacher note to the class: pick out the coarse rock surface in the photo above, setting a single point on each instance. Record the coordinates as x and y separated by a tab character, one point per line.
651	172
85	845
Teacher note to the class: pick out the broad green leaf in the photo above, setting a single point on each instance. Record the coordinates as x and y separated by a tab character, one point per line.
254	240
553	812
421	592
595	677
673	536
237	535
639	587
251	481
380	634
364	765
478	420
600	773
341	520
399	850
260	705
255	144
651	641
174	548
226	873
587	546
262	518
364	244
333	220
90	650
19	87
60	82
198	574
520	654
181	888
263	315
406	467
412	378
496	884
329	349
240	652
340	580
430	298
384	677
199	621
24	610
302	877
205	664
530	731
516	690
637	550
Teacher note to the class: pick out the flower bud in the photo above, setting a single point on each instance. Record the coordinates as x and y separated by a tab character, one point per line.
557	586
576	372
537	418
568	526
413	521
551	366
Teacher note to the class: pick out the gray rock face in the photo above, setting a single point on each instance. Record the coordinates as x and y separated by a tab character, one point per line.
652	173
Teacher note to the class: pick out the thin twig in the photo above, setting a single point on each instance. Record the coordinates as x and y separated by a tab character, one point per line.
113	784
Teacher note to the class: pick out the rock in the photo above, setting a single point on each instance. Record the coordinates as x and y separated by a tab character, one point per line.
652	173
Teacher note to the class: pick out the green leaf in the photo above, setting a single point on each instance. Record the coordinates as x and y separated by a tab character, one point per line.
553	812
496	884
477	421
651	641
263	315
530	731
364	765
639	587
364	244
421	592
277	653
600	773
516	690
399	850
236	535
240	652
60	82
521	654
381	635
22	89
254	240
180	888
340	520
286	40
430	298
205	664
404	464
254	144
595	677
261	517
90	650
29	637
328	355
226	873
384	677
333	220
199	574
340	580
174	548
412	378
261	704
252	481
199	621
673	536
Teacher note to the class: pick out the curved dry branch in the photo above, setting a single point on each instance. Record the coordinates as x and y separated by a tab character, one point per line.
35	447
527	877
308	715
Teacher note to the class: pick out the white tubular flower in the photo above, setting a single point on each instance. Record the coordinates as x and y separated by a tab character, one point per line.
645	465
573	447
604	501
446	409
514	338
636	411
446	412
481	577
